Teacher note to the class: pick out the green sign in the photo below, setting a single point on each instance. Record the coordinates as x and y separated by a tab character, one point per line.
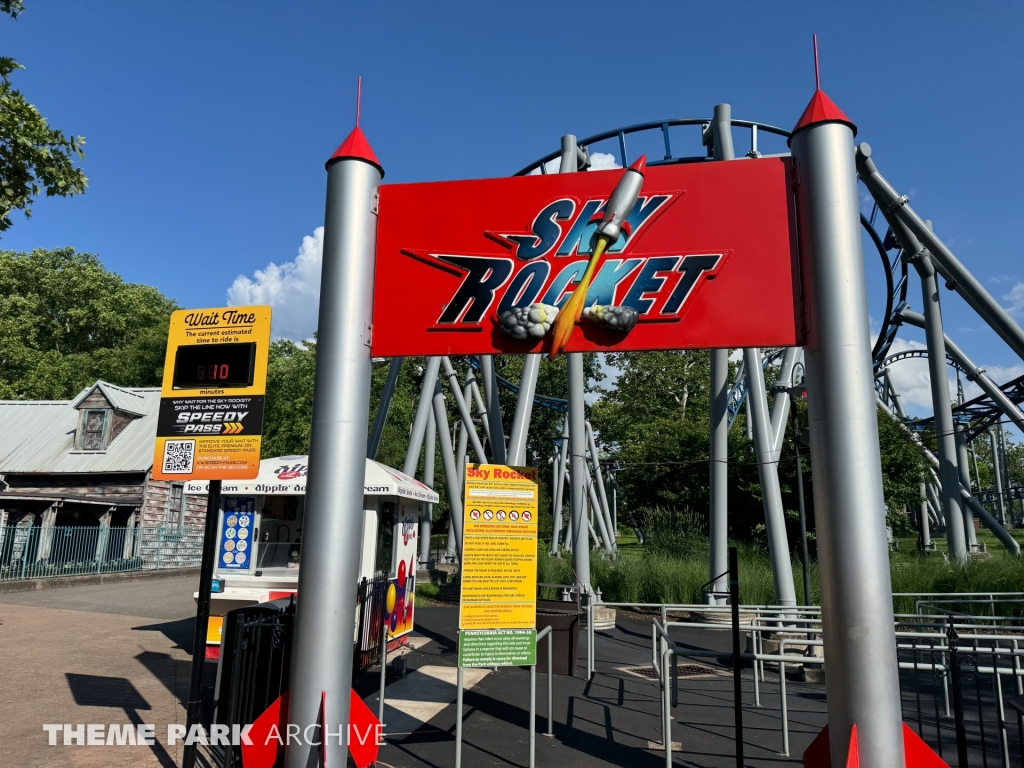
498	648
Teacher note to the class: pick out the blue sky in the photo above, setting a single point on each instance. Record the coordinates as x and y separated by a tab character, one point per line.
208	124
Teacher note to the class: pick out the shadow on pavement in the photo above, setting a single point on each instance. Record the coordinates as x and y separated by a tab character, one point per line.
180	632
116	693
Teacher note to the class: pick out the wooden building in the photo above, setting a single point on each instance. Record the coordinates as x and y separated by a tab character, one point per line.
88	462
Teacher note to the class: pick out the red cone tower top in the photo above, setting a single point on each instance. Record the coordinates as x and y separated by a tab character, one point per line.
822	109
356	147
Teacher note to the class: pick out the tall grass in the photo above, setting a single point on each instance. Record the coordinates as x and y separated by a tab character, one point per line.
646	577
642	576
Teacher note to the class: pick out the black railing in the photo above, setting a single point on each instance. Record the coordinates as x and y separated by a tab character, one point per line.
372	607
959	692
257	656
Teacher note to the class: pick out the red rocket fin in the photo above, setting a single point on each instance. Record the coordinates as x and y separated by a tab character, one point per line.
917	754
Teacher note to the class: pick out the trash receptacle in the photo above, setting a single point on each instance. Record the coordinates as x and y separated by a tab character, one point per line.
564	620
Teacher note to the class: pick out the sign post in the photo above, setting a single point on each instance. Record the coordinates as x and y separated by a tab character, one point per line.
210	428
498	608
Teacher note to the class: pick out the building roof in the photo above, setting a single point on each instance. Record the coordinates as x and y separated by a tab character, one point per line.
132	401
38	436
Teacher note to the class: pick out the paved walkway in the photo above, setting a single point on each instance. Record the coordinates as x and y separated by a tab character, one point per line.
109	653
612	720
120	653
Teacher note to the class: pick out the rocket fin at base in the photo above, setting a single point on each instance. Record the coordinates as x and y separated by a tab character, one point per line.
917	753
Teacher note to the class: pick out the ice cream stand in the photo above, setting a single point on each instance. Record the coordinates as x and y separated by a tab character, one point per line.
259	539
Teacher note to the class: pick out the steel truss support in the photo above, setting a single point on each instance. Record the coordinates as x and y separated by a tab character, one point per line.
578	474
451	473
945	434
495	430
896	208
461	402
429	479
974	373
964	470
383	406
924	520
558	488
768	471
604	509
998	472
419	422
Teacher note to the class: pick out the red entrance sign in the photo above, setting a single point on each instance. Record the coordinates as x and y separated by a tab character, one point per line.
706	259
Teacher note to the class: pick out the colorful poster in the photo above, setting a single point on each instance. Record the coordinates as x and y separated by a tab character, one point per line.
236	533
499	558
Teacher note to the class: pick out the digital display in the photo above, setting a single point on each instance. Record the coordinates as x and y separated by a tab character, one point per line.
224	366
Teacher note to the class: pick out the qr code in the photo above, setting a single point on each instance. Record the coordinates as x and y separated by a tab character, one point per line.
178	456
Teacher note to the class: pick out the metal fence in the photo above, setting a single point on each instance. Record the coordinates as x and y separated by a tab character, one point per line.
256	666
40	552
961	682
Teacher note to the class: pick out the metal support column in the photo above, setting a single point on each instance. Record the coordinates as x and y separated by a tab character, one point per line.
862	684
496	430
419	422
964	470
718	524
557	490
925	520
768	471
578	474
602	492
451	473
782	403
462	404
945	434
801	507
429	479
321	670
383	406
524	411
998	473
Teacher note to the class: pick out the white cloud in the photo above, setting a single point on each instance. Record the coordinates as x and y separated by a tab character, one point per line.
291	288
599	161
602	161
1016	300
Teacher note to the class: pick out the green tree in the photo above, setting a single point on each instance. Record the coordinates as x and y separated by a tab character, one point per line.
34	158
66	321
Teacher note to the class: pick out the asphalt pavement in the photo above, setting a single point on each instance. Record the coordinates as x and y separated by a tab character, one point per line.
111	653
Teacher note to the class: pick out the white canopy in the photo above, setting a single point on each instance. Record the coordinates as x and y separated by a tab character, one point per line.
286	476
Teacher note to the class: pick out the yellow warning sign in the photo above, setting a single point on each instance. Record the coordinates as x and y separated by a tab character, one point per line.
210	423
499	551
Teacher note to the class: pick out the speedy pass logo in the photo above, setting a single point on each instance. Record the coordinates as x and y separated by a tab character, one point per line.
546	262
